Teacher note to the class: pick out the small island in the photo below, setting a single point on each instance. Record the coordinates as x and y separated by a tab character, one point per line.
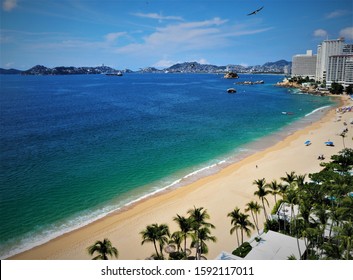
231	75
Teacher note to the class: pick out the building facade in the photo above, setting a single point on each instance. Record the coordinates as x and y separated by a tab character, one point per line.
340	70
324	51
304	65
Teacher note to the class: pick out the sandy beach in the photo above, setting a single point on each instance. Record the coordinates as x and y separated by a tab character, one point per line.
218	193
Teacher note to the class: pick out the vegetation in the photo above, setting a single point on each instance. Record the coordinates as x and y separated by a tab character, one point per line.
300	80
195	226
103	248
325	206
156	234
243	250
349	89
336	88
321	214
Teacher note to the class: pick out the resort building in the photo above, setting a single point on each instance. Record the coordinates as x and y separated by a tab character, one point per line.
304	65
340	70
270	245
326	49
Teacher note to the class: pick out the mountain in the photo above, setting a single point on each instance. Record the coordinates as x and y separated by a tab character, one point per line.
280	66
71	70
10	71
194	67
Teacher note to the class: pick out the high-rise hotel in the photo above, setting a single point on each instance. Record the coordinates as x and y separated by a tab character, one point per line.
324	51
333	63
304	65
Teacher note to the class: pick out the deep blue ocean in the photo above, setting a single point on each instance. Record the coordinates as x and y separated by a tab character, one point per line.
74	148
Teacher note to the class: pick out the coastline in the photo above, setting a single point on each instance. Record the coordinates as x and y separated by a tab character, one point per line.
230	187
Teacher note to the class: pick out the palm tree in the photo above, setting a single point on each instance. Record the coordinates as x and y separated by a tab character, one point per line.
345	235
343	135
244	225
254	209
301	180
185	225
200	242
198	218
289	178
234	215
291	198
261	193
274	189
156	233
176	238
104	249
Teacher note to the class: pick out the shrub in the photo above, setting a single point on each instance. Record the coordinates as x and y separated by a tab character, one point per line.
242	250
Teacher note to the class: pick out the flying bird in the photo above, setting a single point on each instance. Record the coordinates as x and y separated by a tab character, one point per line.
255	12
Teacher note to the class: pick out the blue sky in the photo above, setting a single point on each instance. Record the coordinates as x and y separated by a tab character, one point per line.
140	33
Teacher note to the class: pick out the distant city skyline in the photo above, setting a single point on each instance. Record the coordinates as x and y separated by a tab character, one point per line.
159	33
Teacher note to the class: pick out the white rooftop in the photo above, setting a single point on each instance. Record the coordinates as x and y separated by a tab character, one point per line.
275	246
271	246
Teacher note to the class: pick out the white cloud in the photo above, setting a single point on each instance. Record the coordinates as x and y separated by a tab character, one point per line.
164	63
320	33
9	5
111	37
160	17
173	39
347	33
336	14
177	37
202	61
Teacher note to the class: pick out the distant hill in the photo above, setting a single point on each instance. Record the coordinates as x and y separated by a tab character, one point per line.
185	67
10	71
71	70
279	63
191	67
194	67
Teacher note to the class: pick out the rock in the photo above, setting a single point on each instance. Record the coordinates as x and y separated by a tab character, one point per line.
231	75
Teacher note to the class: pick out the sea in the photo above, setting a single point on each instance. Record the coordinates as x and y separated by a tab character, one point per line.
75	148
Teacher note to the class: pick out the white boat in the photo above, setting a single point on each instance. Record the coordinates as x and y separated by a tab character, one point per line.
231	90
114	74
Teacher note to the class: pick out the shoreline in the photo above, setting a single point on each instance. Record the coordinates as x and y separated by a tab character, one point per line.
122	227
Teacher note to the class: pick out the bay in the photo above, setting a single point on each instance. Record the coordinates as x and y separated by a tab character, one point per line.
74	148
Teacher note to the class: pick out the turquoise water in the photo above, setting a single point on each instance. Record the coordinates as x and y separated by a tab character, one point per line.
74	148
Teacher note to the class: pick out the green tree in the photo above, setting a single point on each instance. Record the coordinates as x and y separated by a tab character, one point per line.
234	215
198	218
261	193
254	209
274	189
104	249
156	233
290	178
345	236
176	239
336	88
185	225
245	225
199	242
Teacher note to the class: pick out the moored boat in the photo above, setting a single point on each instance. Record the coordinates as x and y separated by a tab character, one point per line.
231	90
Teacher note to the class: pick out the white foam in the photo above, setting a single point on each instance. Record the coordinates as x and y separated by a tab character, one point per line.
317	110
41	236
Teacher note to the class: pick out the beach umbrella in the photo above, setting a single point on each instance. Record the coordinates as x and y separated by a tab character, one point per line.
307	142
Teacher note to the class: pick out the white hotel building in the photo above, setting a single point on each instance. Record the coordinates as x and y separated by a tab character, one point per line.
326	49
304	65
333	63
340	70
